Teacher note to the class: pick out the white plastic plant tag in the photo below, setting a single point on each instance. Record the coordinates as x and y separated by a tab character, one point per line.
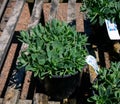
112	30
92	61
93	67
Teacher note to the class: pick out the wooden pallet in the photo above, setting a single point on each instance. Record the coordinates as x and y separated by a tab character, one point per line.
27	93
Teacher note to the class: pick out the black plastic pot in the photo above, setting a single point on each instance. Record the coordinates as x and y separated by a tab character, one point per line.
61	87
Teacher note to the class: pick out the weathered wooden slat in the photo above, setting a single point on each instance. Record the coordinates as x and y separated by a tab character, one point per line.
19	101
71	18
1	100
36	13
53	102
95	48
6	68
2	8
24	102
48	1
11	96
79	19
107	59
61	15
26	85
6	37
53	9
40	99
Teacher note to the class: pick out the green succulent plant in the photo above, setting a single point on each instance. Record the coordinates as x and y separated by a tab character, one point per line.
53	49
99	10
107	86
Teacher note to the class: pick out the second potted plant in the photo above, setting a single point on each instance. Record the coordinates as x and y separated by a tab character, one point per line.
107	86
98	13
56	52
99	10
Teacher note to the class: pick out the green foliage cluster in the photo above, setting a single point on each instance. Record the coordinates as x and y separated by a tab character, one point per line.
99	10
107	86
53	49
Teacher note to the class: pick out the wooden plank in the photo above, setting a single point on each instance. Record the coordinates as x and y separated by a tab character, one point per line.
7	34
6	68
19	101
48	1
1	100
61	13
71	18
95	48
40	98
107	59
53	9
26	85
79	19
36	13
24	102
53	102
2	8
11	96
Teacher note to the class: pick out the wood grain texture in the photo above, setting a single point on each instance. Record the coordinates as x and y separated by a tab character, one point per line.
53	9
26	85
6	37
36	13
2	8
11	96
24	102
40	99
71	17
53	102
19	101
1	100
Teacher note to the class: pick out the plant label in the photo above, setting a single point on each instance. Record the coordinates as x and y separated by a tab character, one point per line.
112	30
93	67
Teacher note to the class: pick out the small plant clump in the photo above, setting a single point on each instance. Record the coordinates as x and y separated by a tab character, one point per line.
107	86
53	49
99	10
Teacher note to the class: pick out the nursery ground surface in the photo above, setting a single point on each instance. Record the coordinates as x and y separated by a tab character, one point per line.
27	93
8	67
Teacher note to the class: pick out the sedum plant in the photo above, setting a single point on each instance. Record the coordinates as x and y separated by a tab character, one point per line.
99	10
53	49
107	86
